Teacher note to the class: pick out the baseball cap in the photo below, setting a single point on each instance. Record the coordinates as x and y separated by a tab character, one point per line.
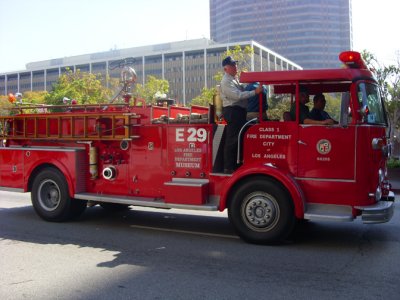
228	61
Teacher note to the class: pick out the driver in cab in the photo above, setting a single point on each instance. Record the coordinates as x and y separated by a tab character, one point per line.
305	116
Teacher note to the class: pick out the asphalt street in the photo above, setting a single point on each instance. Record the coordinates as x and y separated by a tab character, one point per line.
171	254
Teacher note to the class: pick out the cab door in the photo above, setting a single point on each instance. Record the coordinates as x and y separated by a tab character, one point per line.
327	152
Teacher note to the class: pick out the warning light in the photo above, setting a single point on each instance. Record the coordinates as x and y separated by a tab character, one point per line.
352	59
11	98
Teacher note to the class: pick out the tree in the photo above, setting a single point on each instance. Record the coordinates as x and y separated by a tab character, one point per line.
243	56
205	97
5	106
278	104
34	97
389	80
85	88
151	88
28	98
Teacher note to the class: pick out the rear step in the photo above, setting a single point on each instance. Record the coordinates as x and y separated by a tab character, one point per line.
142	201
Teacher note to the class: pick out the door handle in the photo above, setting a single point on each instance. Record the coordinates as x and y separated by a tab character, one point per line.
301	143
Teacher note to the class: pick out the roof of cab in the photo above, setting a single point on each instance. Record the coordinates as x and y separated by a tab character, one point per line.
345	74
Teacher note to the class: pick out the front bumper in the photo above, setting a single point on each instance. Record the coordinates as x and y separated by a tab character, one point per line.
380	212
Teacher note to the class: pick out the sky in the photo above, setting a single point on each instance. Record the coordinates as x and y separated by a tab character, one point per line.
35	30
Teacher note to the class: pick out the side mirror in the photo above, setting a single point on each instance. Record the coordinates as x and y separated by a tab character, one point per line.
344	110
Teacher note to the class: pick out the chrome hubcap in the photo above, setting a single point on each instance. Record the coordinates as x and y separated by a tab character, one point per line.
260	211
49	195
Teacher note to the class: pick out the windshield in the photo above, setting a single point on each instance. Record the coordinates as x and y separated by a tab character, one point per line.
371	103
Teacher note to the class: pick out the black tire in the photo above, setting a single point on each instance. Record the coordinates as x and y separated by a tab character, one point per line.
114	207
262	211
77	208
50	197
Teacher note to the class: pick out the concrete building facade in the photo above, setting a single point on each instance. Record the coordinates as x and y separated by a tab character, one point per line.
189	66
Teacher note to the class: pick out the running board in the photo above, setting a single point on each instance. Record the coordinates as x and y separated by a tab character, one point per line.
14	190
142	201
328	212
186	190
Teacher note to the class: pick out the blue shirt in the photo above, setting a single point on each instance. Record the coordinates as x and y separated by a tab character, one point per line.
319	115
253	102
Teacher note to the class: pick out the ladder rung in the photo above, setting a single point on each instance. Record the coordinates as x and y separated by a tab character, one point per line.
51	126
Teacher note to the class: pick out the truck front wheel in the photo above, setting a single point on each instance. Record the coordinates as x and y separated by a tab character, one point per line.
262	211
50	197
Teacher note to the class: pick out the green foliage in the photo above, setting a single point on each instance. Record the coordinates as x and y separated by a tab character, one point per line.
242	55
205	98
277	105
5	106
389	80
28	98
393	163
152	87
35	97
84	87
333	103
280	103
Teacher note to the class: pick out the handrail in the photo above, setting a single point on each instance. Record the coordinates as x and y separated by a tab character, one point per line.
240	138
70	106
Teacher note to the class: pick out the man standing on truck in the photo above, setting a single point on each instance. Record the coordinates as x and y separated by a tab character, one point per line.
234	102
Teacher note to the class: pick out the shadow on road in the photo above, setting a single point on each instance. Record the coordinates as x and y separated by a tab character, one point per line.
117	231
174	254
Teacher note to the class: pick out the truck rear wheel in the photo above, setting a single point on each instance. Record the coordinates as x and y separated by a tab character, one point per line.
50	197
262	211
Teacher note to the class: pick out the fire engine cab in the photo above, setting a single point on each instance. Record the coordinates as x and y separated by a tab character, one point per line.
133	154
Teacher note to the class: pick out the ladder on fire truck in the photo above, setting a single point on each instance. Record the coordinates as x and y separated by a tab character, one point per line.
82	122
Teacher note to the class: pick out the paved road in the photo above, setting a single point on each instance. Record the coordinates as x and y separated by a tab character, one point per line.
161	254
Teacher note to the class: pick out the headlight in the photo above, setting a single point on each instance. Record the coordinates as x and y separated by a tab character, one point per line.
377	143
381	175
378	194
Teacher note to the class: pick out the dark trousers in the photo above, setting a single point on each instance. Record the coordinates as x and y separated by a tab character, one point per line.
235	117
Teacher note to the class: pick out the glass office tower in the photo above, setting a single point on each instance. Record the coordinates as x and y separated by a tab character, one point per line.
310	33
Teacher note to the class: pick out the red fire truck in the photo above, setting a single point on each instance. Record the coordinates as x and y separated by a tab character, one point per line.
120	155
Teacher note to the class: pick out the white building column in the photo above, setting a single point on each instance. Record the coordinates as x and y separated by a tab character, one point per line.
205	68
163	66
144	75
252	57
107	75
183	79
